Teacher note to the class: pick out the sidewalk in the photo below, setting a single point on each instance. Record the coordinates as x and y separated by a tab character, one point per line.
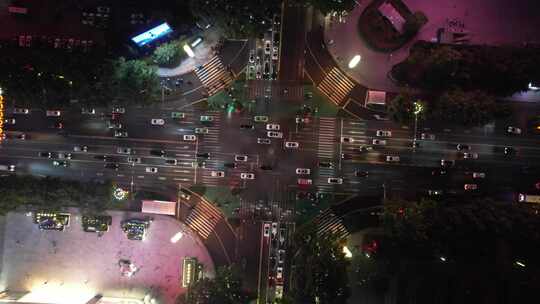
203	53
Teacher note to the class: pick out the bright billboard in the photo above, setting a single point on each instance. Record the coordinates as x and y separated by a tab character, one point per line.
152	34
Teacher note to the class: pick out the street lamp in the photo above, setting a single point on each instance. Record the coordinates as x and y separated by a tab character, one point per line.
418	108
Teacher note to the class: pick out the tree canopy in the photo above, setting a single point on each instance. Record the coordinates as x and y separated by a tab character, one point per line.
135	81
319	271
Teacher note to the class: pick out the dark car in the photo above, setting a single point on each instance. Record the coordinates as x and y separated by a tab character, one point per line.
157	153
45	154
113	166
326	165
266	167
509	151
101	157
229	165
361	173
203	155
438	172
346	156
461	147
247	127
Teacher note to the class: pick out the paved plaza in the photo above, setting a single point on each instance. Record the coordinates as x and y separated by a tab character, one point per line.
73	265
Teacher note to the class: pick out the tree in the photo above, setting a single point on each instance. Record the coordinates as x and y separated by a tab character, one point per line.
225	288
401	107
319	272
414	23
135	81
473	108
167	54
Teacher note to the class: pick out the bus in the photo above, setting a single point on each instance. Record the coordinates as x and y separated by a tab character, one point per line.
527	198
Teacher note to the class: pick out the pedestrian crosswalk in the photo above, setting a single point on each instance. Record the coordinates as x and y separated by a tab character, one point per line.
327	137
336	86
212	137
204	218
262	88
214	75
328	223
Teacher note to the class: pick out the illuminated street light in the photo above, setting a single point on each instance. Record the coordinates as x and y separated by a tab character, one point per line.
188	51
175	238
354	61
520	264
347	252
418	108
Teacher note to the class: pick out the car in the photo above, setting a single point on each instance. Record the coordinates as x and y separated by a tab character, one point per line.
9	121
123	150
60	163
470	186
346	156
392	158
242	158
266	229
384	133
151	170
347	139
267	48
205	155
437	192
58	125
303	171
247	127
63	155
379	142
272	127
279	273
292	144
198	164
335	180
266	167
359	173
478	175
54	113
205	118
190	137
201	130
45	154
274	228
80	149
363	148
513	130
273	134
88	111
301	120
438	172
326	165
113	166
22	136
159	153
134	160
114	125
247	175
217	174
509	151
171	162
252	56
21	111
447	163
178	115
305	181
260	118
461	147
380	117
427	136
118	133
275	54
229	165
263	141
157	121
469	155
101	157
118	110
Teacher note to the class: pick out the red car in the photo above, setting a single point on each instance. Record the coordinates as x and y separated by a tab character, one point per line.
305	181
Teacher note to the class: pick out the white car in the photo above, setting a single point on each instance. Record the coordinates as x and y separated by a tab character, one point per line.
217	174
379	117
427	136
469	155
273	134
513	130
201	130
266	229
122	150
263	141
242	158
260	118
53	113
88	111
347	139
118	110
335	180
9	121
470	186
247	176
292	144
272	127
21	111
478	175
151	170
392	159
118	133
379	142
190	137
279	273
384	133
206	118
267	48
303	171
134	160
274	228
157	122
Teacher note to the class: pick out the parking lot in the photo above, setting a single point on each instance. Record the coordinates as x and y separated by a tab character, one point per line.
72	266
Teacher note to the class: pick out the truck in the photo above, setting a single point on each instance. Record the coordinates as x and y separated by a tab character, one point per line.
528	198
10	168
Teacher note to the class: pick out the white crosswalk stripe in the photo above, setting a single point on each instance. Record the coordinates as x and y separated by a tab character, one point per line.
213	75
